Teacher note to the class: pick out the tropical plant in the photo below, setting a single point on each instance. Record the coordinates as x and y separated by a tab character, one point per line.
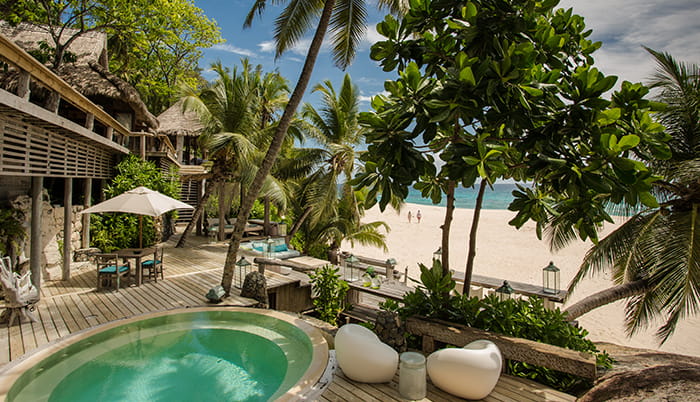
12	233
232	110
346	20
654	254
502	89
330	293
521	318
114	231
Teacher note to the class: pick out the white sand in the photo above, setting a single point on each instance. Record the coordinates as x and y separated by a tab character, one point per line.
504	252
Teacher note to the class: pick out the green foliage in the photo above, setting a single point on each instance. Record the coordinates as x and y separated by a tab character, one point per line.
114	231
330	291
522	318
11	231
502	90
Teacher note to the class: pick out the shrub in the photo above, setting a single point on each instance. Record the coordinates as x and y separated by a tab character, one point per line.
330	293
522	318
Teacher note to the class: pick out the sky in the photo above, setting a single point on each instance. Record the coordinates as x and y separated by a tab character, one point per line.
623	26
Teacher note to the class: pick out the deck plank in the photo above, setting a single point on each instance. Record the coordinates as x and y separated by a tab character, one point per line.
70	306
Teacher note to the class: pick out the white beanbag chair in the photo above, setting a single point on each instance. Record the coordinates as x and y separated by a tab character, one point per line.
363	357
470	372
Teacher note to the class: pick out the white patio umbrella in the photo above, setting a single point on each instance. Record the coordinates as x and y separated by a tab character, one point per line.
140	201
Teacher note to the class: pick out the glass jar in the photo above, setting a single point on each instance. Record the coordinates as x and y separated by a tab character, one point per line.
412	381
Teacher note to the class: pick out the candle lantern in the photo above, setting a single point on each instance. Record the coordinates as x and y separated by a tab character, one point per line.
350	271
270	247
505	291
242	266
437	255
550	279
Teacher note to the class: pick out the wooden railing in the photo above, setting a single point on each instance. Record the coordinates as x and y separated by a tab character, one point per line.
30	68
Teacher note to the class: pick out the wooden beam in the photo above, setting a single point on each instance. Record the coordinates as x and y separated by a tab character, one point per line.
17	56
23	85
179	145
85	238
67	226
143	147
89	121
35	245
522	350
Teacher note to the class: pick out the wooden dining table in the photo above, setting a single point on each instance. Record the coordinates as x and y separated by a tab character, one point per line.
137	254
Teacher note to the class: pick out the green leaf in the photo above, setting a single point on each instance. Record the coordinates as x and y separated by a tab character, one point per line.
467	76
647	199
531	91
629	141
609	116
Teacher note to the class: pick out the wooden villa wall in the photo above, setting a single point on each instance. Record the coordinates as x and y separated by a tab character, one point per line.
30	150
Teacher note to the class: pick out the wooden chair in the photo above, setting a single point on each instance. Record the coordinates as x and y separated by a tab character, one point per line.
110	270
20	294
154	266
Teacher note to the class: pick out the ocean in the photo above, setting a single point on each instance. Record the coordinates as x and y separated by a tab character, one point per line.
497	198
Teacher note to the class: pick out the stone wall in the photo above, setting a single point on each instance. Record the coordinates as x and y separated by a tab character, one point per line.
51	229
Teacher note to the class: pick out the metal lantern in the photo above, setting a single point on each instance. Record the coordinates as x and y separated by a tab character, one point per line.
350	270
269	249
437	255
242	268
550	279
505	291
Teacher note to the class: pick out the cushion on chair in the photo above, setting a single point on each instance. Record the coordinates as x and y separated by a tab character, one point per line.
363	357
470	372
110	269
280	247
148	263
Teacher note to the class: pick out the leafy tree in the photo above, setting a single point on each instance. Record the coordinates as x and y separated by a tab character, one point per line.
501	89
331	291
346	20
654	255
153	43
114	231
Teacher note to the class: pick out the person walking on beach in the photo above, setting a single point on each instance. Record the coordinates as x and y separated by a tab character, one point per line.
409	216
418	216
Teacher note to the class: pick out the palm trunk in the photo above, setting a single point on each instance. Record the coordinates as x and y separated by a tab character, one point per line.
297	224
604	297
449	214
275	145
266	218
208	190
472	238
221	234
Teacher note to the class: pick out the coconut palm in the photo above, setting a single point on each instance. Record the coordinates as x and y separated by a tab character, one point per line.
654	255
346	20
229	109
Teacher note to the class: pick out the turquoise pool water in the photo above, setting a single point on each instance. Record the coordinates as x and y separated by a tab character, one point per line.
210	355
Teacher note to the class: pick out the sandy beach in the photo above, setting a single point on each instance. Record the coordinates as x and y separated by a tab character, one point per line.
507	253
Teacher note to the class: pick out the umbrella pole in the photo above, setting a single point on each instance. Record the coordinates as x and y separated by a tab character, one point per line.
140	231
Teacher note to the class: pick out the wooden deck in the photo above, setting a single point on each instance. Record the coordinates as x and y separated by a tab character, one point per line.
74	305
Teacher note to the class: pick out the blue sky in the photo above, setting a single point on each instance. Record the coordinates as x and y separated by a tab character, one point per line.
622	25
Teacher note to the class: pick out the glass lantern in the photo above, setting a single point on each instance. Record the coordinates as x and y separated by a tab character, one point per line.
437	255
242	266
505	291
269	247
550	279
350	272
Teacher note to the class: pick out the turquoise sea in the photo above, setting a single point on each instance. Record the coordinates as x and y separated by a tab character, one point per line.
497	198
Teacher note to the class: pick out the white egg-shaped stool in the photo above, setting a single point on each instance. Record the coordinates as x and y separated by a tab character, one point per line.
470	372
363	357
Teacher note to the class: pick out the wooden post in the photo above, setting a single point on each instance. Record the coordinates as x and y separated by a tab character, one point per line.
23	85
200	194
222	213
52	101
85	238
35	245
143	147
89	121
67	226
179	145
110	133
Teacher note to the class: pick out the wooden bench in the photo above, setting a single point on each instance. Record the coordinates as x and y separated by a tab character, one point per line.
522	350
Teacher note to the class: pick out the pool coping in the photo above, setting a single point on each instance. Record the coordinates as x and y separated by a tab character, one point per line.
10	373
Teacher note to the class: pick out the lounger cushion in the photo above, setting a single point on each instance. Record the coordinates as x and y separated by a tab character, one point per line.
148	263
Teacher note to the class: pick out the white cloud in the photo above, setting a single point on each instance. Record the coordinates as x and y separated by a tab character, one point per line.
625	26
368	99
233	49
267	46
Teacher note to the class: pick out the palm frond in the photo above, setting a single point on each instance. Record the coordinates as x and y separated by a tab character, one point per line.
294	21
348	25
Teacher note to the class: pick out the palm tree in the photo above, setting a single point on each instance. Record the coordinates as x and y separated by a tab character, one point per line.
230	113
346	19
654	255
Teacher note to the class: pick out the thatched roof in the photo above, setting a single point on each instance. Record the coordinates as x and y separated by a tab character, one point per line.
89	75
174	121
